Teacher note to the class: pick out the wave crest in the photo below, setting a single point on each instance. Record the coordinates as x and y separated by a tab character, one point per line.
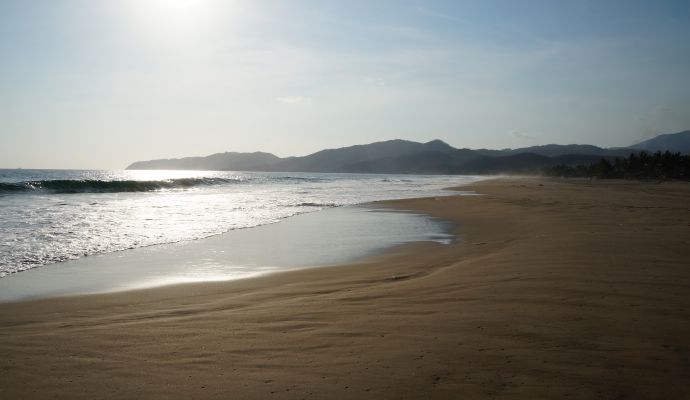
97	186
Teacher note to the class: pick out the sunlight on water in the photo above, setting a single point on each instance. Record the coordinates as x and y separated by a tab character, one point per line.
191	278
48	216
332	237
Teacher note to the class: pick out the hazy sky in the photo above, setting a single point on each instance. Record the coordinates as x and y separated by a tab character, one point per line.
100	84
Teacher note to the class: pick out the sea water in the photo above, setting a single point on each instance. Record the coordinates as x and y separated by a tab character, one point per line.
53	216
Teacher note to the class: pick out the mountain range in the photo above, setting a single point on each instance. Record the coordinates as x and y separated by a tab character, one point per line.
407	157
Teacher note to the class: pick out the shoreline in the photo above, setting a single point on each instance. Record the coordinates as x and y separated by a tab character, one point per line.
553	288
310	240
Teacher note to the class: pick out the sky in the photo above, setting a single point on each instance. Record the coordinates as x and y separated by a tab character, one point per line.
98	84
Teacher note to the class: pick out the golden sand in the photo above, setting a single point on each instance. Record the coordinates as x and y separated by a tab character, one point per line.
554	289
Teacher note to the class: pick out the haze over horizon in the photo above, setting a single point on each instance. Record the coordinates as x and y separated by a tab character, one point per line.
100	84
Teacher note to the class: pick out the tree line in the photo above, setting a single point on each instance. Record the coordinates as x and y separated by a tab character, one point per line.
643	165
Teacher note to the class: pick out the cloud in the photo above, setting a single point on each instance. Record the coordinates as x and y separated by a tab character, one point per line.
521	136
291	99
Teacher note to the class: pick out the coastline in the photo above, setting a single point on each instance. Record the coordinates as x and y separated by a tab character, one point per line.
553	289
333	236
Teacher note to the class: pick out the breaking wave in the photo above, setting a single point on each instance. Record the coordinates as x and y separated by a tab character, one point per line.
98	186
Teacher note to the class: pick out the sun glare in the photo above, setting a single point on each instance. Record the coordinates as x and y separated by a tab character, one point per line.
176	19
177	6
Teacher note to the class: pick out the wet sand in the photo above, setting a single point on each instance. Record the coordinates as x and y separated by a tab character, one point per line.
554	289
330	237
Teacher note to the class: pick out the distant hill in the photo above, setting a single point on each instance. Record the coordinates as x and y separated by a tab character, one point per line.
673	142
227	161
555	150
441	161
407	157
347	159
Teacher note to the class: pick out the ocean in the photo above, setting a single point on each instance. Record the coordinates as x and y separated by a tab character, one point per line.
52	216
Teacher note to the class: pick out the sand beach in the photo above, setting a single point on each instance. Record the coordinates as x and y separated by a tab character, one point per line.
571	289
